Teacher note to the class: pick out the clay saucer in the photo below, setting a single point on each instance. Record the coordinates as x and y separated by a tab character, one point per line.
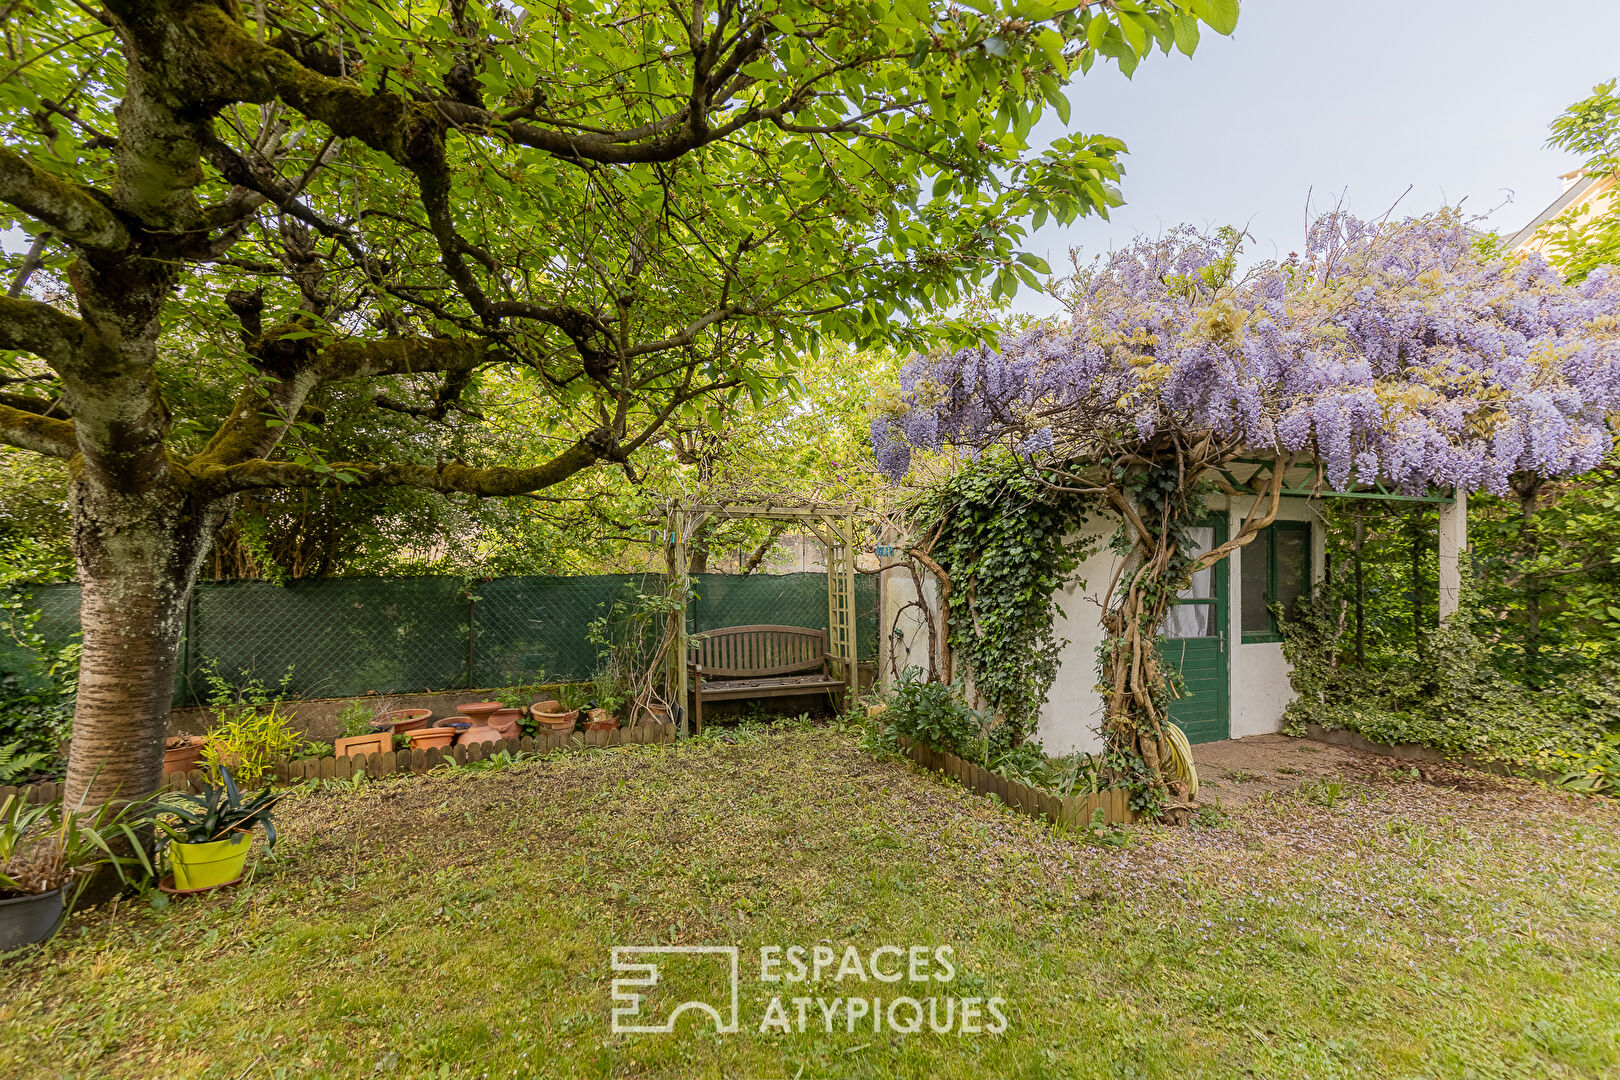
167	885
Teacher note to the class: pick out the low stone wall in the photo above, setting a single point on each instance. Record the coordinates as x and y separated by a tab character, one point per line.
296	771
317	718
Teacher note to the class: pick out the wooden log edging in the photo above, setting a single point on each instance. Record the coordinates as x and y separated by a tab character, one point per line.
1066	812
409	760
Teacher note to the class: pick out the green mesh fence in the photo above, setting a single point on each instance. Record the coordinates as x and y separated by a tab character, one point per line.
342	637
533	629
338	636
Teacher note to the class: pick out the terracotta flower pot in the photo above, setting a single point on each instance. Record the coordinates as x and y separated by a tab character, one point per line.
423	738
186	756
480	732
479	710
600	720
655	714
558	721
403	720
379	742
505	721
552	706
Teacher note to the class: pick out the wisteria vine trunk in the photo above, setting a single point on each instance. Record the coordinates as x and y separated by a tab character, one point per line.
1158	496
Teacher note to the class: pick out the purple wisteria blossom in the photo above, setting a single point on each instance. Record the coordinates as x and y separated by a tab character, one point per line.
1395	353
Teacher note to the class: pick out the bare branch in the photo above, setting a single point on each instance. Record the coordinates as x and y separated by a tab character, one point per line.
33	260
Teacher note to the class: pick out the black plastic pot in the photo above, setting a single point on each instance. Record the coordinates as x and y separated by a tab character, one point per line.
28	920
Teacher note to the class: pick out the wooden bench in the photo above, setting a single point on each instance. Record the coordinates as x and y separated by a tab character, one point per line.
744	662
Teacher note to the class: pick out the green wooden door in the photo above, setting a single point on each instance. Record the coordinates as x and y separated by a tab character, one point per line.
1194	643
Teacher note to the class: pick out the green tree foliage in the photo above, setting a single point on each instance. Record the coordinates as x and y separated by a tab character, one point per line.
1547	565
1526	673
641	211
1579	240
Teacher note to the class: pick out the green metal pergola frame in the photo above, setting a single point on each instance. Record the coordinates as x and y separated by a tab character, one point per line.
833	525
1314	486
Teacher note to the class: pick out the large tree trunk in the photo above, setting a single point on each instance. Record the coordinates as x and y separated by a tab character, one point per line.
138	557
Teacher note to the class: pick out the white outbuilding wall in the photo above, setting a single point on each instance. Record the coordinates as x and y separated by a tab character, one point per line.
1259	689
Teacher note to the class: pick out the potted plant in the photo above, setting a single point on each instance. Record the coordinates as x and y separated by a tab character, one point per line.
182	753
208	836
551	716
599	719
655	713
363	730
402	721
47	854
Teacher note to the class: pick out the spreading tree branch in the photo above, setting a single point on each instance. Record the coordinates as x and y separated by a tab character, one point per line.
446	477
42	434
74	212
32	327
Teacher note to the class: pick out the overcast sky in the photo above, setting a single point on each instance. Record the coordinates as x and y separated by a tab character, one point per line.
1324	97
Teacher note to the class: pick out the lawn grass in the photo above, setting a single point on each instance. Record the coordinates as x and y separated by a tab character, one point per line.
460	925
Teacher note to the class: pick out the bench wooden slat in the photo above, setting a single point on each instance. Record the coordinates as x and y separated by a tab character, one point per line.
760	661
738	650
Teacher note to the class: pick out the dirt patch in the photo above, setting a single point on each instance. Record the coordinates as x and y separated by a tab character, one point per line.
1235	772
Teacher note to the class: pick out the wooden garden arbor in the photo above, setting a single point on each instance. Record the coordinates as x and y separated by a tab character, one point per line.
832	524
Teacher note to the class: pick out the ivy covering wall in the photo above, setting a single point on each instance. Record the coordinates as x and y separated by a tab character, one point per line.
1007	539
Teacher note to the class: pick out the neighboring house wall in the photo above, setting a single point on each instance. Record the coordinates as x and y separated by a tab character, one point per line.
907	648
1589	196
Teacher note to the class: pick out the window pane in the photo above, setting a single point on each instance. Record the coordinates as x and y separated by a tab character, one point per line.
1252	559
1203	582
1189	621
1293	566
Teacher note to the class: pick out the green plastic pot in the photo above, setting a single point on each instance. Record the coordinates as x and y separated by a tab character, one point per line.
210	865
